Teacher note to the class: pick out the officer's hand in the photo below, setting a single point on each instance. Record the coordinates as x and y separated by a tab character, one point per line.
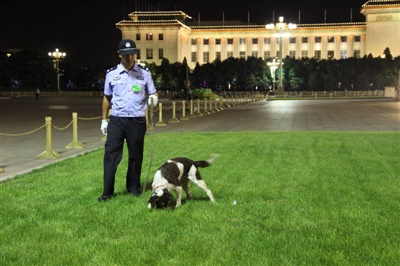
103	127
154	99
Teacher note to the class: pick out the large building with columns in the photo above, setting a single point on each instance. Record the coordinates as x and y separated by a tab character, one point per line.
173	35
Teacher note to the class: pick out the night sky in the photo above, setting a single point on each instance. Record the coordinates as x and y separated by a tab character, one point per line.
86	30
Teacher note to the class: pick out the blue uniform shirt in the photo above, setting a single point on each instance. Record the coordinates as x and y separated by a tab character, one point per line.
129	90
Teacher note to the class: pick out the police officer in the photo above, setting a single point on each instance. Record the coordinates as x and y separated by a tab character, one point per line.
127	89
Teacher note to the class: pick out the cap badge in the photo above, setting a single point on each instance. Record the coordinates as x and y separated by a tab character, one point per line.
128	44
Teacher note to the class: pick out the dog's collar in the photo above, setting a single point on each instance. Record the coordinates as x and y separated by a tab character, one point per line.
154	190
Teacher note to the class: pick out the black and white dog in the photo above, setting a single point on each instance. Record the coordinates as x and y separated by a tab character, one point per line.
175	174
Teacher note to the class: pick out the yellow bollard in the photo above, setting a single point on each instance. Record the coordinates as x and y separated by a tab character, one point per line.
216	105
191	115
184	117
221	101
174	119
198	113
49	153
211	110
205	107
75	143
160	123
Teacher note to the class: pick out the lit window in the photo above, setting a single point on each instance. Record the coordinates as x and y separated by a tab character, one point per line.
292	54
254	54
242	54
317	54
242	40
229	54
304	53
267	54
149	53
149	36
193	57
206	56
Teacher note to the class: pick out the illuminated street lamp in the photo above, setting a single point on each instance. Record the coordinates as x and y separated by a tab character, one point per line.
273	66
281	30
57	55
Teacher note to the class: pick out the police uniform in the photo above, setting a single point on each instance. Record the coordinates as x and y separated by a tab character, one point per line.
127	121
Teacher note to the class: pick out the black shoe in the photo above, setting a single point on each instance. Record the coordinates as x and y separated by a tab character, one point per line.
104	198
135	194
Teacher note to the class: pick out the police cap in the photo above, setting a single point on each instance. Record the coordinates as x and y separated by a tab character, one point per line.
126	47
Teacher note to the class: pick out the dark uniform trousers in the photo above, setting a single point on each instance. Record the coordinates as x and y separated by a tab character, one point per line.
133	130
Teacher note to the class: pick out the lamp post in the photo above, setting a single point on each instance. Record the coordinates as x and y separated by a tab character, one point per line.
57	55
281	30
273	66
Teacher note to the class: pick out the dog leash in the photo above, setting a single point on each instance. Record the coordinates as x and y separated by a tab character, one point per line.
152	145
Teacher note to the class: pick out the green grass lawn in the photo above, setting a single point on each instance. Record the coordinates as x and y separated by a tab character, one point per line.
319	198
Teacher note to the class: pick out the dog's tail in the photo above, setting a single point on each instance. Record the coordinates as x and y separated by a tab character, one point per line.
209	162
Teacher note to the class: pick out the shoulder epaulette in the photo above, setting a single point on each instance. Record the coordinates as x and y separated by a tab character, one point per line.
111	69
144	68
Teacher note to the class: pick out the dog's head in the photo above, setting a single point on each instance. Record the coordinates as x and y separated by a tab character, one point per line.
161	199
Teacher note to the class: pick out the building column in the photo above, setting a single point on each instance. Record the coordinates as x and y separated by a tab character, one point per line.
337	47
200	51
223	49
324	46
274	47
311	47
211	49
236	47
350	46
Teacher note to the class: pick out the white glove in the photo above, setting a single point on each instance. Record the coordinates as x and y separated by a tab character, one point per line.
155	100
103	127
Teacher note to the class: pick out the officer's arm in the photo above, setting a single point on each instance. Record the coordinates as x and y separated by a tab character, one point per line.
105	106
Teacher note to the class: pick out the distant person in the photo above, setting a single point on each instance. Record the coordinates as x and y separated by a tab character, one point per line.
37	93
128	88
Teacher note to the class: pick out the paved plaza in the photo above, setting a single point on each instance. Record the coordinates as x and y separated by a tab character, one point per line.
22	120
